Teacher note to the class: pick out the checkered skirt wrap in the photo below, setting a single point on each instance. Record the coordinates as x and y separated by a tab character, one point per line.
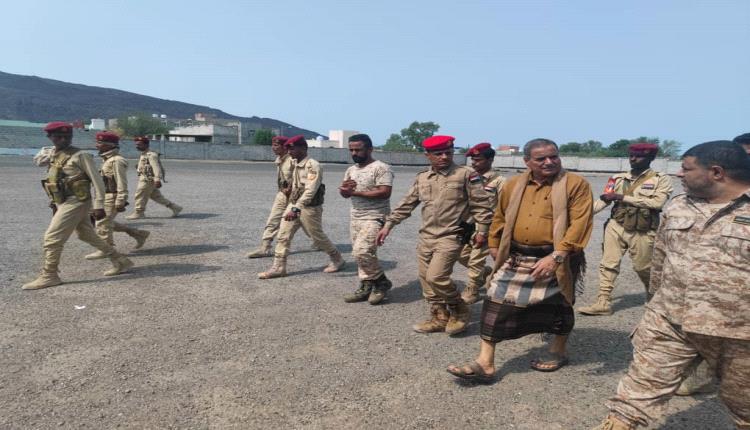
513	283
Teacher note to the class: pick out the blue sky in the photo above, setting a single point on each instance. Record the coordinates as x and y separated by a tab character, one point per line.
498	71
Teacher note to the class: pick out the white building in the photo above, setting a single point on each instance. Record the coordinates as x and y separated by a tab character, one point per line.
97	124
210	133
336	139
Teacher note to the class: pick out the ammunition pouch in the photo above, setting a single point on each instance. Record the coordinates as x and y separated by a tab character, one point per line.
636	219
55	191
110	184
317	199
467	231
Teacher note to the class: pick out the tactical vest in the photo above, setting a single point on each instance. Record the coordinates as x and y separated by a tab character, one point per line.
148	170
110	183
60	186
633	218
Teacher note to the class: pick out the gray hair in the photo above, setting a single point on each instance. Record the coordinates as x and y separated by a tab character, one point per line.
535	143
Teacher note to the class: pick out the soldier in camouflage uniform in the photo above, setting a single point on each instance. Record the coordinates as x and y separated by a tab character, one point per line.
70	176
150	177
482	156
114	174
638	197
701	303
368	184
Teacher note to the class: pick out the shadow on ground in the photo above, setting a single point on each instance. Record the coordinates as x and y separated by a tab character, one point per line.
196	215
168	269
628	301
707	407
179	250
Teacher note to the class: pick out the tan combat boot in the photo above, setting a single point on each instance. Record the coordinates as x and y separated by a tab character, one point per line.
176	209
45	279
140	237
612	423
438	321
603	306
264	250
277	270
470	294
337	262
459	319
120	264
96	255
136	215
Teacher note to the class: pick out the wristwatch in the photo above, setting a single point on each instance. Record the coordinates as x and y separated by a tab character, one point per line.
296	210
559	259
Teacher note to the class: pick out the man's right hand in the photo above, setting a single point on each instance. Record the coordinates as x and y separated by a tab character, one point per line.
157	183
493	253
382	234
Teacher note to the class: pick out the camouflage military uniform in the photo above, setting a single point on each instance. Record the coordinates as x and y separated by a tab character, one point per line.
149	171
447	196
701	306
114	174
648	192
474	258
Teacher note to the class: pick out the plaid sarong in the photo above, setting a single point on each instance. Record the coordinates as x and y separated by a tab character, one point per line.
502	321
513	283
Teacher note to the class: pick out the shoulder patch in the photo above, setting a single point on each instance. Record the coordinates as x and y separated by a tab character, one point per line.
648	186
740	219
475	177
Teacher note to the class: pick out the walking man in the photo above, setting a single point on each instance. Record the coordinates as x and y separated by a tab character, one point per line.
114	173
701	302
539	231
305	208
70	175
448	194
482	156
368	184
638	196
150	177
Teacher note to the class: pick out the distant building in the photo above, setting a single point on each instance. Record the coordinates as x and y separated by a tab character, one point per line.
336	139
203	117
208	133
97	124
508	150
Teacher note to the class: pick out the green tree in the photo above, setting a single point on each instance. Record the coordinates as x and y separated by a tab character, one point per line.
571	148
592	147
417	132
618	149
140	124
397	143
263	136
670	148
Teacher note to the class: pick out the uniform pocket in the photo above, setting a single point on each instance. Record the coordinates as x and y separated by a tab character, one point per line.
676	231
736	241
454	191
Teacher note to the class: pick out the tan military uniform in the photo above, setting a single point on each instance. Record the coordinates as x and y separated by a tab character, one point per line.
69	179
701	306
149	169
621	236
114	174
307	178
447	197
474	258
368	216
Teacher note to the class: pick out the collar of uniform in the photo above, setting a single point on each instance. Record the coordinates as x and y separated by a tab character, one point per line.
281	158
547	181
629	176
110	153
302	162
445	172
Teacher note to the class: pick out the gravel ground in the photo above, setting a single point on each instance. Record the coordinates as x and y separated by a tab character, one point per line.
192	339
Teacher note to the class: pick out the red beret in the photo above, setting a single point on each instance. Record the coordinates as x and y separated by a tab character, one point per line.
438	143
59	127
142	139
478	149
643	148
280	139
108	137
298	140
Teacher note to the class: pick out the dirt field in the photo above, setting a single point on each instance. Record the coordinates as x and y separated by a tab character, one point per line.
192	339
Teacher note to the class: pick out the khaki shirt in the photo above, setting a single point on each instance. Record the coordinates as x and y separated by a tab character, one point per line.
308	173
83	162
493	184
116	166
651	194
534	224
700	271
149	157
447	196
284	170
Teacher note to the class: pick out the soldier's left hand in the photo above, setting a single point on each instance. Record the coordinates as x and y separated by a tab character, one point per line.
291	216
157	184
345	192
544	268
479	240
98	214
609	197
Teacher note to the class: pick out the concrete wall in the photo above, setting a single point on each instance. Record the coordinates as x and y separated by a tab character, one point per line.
583	164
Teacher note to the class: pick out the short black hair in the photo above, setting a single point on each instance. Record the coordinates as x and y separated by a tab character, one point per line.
362	138
743	139
730	156
535	143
